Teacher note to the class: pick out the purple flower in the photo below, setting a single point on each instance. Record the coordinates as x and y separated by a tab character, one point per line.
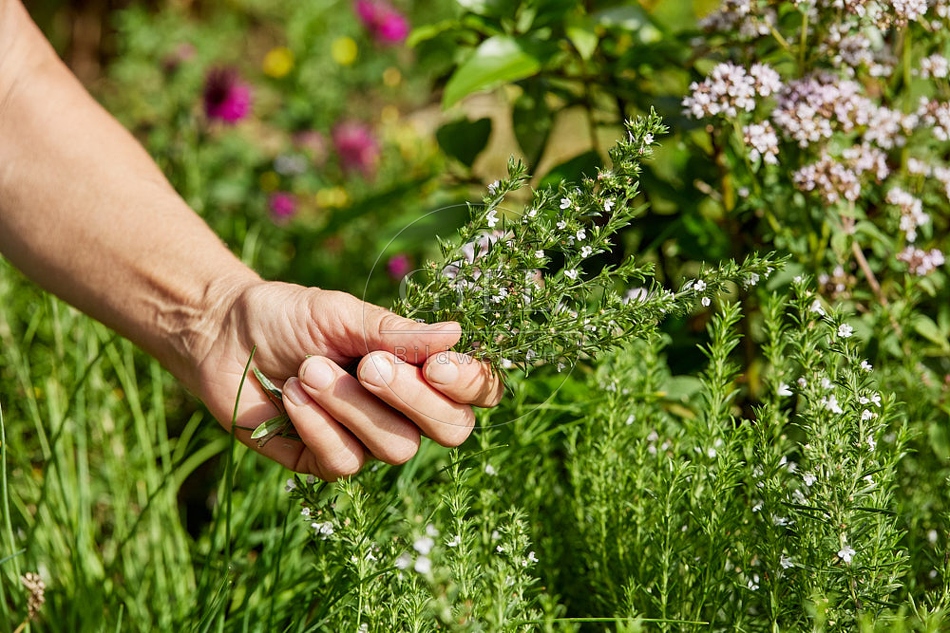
385	24
357	148
398	266
282	205
226	97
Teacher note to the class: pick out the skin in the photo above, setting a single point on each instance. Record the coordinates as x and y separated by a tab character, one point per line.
87	214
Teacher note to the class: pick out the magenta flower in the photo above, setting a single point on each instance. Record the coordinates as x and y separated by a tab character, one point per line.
398	266
382	20
226	97
282	205
357	148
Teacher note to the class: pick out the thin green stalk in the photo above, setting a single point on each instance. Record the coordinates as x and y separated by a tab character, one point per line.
7	520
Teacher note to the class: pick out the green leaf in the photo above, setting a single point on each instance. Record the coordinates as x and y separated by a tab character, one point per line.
271	426
532	120
582	36
464	140
267	384
630	18
925	326
427	32
497	60
573	170
493	8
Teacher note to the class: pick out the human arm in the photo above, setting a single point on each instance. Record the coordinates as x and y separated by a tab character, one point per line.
86	213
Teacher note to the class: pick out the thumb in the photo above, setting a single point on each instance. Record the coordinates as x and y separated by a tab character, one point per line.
409	340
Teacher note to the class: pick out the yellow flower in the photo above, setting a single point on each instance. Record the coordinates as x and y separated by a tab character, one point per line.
344	50
269	181
392	77
278	62
332	197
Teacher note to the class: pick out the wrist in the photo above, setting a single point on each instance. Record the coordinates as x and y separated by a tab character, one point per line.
190	329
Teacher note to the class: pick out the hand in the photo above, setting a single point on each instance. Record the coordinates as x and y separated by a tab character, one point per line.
408	383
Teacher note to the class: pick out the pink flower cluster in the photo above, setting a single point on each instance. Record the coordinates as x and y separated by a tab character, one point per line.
730	89
921	262
384	23
226	97
742	16
912	212
356	147
763	141
808	110
836	178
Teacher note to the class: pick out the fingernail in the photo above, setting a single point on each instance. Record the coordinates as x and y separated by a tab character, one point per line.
294	392
377	370
444	325
442	370
316	374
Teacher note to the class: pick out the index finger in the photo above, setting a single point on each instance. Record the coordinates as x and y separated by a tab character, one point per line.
464	379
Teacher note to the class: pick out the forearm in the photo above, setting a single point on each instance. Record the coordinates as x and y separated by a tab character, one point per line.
87	214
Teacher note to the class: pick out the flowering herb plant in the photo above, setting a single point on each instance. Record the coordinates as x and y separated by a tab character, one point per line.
534	288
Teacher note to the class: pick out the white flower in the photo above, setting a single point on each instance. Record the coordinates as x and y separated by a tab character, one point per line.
423	565
831	403
455	542
492	218
581	234
323	530
493	188
586	251
404	561
290	485
784	390
565	203
786	561
571	273
490	470
867	415
699	286
423	545
305	511
816	307
845	330
866	366
561	225
846	553
754	582
872	443
364	628
531	557
311	479
432	531
706	301
500	549
809	479
539	254
608	205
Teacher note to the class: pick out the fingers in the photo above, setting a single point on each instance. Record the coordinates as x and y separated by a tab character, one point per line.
384	432
402	386
463	379
335	451
369	328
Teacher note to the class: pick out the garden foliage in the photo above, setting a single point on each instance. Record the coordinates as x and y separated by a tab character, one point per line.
767	448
